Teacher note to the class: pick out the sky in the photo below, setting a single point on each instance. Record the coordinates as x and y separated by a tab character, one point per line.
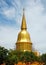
11	12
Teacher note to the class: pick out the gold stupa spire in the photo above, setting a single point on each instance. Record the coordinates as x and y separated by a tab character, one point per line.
23	41
23	26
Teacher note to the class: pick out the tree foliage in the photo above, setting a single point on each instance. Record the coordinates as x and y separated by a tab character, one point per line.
13	56
3	54
43	58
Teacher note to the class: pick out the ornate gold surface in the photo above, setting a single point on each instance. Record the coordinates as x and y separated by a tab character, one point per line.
23	36
24	46
23	42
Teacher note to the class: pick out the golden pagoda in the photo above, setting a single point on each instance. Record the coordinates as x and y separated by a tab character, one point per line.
23	42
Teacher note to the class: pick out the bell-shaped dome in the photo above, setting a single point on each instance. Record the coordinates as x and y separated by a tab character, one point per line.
23	36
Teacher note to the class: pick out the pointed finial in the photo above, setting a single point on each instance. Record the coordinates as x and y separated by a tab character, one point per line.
23	10
23	26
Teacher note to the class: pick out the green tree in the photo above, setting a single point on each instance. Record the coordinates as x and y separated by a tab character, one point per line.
43	58
32	56
13	57
27	57
3	54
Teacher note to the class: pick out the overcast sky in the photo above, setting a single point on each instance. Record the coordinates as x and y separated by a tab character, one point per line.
10	22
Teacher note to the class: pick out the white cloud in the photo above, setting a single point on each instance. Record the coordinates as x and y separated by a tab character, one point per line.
8	37
10	13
